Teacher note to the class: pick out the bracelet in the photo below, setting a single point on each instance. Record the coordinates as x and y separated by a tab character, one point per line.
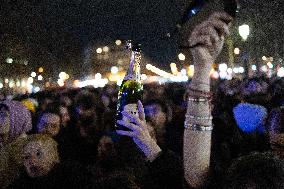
199	117
198	127
195	92
197	99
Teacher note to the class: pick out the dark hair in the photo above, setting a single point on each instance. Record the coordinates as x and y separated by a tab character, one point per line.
275	121
258	170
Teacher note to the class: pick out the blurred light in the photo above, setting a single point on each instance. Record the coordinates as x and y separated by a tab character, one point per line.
270	65
98	76
30	88
118	42
67	76
99	50
241	70
264	58
223	67
183	72
244	31
253	67
280	72
36	89
47	84
271	59
114	70
40	78
181	56
33	74
40	70
76	83
148	66
191	70
9	60
11	84
60	82
143	77
18	83
30	80
105	48
237	51
223	74
6	80
1	85
119	82
230	70
215	75
62	75
236	70
264	68
23	84
174	68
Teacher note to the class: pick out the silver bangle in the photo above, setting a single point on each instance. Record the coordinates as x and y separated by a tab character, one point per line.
197	127
198	117
197	99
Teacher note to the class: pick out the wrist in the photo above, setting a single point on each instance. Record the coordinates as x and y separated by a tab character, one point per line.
153	152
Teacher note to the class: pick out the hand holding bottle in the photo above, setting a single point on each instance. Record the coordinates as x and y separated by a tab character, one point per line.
140	133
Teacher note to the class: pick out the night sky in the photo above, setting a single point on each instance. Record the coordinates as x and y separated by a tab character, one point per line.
54	33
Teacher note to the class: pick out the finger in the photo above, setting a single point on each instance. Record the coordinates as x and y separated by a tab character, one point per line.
131	117
223	16
221	27
141	112
125	133
128	125
202	40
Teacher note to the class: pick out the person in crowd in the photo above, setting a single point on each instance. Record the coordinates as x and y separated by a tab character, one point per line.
206	41
42	167
15	122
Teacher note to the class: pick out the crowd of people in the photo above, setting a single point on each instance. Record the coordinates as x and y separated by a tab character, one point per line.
202	134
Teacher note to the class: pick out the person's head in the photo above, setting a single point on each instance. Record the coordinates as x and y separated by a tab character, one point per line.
40	155
157	113
49	123
15	120
64	114
255	171
275	127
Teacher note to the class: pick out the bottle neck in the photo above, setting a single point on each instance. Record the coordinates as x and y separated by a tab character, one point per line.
133	72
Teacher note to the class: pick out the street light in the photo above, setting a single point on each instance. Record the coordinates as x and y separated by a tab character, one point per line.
244	32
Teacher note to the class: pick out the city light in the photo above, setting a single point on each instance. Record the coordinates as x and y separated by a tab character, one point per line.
114	70
6	80
223	67
118	42
143	77
183	72
36	89
264	68
98	76
106	49
62	75
60	82
9	60
280	72
23	83
11	84
181	57
40	78
174	68
237	51
1	85
33	74
241	70
244	31
264	58
158	71
253	67
18	83
230	71
270	65
40	70
99	50
30	80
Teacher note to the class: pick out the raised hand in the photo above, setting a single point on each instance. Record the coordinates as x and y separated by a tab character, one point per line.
140	133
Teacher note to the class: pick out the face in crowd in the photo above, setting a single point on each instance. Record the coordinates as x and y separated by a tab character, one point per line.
4	126
49	124
40	156
65	118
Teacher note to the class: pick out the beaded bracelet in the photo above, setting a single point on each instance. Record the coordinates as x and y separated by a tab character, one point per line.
198	127
197	92
199	117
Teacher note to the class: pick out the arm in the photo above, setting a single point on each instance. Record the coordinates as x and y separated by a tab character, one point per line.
209	38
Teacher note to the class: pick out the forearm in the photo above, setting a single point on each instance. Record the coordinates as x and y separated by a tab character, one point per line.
197	144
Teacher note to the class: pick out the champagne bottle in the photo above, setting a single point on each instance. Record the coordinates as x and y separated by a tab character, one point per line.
131	89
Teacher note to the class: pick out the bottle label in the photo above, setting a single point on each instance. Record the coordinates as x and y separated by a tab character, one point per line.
132	109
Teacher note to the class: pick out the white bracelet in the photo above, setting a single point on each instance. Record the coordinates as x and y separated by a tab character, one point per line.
198	117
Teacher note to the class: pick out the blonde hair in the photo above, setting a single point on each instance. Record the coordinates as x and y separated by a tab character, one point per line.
48	142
